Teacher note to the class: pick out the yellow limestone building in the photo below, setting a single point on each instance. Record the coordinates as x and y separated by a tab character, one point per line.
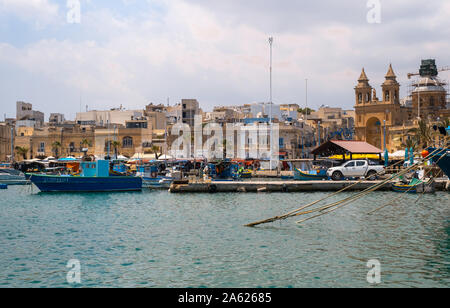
373	112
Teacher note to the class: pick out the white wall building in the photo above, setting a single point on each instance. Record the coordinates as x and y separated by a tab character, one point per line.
103	118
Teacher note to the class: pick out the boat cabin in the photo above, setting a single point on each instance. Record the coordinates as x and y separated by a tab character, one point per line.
98	168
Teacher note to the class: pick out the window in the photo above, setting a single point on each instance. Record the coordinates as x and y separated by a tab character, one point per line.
41	148
386	96
360	97
360	163
72	147
351	164
127	142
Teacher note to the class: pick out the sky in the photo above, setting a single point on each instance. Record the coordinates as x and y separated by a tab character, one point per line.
133	52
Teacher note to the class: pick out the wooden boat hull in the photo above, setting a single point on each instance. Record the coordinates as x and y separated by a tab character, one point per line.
443	160
402	188
47	183
302	176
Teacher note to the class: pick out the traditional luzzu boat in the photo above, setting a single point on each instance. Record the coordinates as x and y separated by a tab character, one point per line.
312	175
309	173
94	177
407	188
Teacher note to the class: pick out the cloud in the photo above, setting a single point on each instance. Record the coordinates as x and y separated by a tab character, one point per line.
38	12
217	51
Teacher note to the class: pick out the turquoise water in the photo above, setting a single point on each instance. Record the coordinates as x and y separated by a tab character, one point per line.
156	239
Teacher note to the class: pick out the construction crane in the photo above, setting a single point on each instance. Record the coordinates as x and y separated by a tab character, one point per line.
446	68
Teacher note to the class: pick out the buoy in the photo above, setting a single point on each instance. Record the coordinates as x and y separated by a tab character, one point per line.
425	153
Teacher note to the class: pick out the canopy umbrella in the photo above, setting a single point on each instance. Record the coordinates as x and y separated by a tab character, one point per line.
165	157
397	155
411	156
70	158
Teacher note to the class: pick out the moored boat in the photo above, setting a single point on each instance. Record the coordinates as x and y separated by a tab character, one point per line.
300	175
404	188
12	177
94	177
442	159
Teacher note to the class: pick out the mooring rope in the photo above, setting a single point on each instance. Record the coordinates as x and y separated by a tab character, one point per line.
345	201
349	200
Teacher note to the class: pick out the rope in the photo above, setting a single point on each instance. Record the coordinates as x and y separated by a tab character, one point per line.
349	200
345	201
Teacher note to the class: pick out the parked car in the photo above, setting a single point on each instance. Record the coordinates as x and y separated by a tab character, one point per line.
356	169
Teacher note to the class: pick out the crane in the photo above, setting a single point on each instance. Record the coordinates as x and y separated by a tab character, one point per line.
446	68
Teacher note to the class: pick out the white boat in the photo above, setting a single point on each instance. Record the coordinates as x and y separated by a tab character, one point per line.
12	177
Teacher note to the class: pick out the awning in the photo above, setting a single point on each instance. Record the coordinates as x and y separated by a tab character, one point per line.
339	147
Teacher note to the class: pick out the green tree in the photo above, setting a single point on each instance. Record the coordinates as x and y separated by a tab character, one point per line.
422	134
55	147
445	122
115	144
306	111
86	143
155	150
22	151
410	143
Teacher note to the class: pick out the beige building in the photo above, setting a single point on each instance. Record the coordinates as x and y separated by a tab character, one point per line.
5	142
397	117
108	117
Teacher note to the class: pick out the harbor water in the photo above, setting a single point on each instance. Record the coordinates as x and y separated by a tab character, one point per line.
157	239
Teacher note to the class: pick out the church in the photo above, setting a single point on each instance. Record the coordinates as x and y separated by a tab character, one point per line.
427	101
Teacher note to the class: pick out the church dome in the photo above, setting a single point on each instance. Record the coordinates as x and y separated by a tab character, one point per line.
429	84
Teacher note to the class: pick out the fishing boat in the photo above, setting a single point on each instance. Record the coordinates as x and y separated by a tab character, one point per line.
309	173
404	188
94	177
3	186
415	186
442	159
11	176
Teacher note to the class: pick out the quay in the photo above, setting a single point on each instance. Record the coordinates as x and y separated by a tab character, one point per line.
282	186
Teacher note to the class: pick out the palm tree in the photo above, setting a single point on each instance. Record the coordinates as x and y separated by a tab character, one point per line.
422	134
22	151
115	144
85	143
155	150
56	146
410	143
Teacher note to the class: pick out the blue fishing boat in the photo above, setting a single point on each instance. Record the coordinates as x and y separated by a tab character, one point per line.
3	186
442	157
309	173
94	177
407	188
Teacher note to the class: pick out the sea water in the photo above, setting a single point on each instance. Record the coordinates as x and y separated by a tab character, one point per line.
158	239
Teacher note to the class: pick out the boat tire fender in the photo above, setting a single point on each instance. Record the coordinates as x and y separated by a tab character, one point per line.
212	188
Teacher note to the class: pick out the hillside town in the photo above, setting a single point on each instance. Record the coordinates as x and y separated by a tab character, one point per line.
385	122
